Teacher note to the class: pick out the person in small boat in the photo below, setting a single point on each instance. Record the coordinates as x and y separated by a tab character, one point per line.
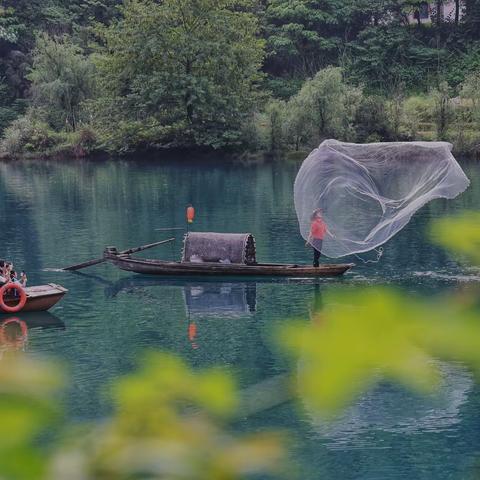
23	279
7	266
7	269
14	279
318	230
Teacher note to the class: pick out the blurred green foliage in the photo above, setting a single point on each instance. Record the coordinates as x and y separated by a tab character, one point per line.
172	422
28	408
169	423
376	334
460	234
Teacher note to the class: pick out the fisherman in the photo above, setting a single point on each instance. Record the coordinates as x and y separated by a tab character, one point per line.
318	230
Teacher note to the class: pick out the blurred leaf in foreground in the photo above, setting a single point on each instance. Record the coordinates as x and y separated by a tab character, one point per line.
373	334
169	425
28	408
460	234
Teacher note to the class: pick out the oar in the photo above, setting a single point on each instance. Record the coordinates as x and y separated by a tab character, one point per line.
124	252
169	228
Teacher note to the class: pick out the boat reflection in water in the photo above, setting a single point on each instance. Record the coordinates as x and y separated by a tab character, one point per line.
386	407
225	300
202	299
221	299
14	329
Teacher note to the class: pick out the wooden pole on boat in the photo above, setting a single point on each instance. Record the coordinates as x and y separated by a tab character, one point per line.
124	252
169	229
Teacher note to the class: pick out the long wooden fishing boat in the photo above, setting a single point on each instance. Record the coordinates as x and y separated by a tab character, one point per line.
162	267
39	298
219	254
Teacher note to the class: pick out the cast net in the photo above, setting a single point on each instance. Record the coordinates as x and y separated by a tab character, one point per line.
368	193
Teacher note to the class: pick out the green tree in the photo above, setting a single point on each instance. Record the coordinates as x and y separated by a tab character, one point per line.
297	117
326	102
62	78
472	18
386	55
180	72
10	107
275	112
371	120
303	36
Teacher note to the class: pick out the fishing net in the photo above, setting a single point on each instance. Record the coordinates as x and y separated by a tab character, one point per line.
367	193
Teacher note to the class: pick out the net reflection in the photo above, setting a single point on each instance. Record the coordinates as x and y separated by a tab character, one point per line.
387	406
393	410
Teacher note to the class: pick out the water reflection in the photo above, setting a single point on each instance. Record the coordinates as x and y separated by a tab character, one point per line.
391	409
54	213
221	299
14	330
202	300
227	299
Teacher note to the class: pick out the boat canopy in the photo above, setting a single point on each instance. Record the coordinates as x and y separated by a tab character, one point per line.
219	247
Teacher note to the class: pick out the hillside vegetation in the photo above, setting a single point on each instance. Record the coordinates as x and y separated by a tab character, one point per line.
79	77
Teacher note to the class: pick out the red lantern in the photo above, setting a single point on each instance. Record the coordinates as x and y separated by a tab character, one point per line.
190	214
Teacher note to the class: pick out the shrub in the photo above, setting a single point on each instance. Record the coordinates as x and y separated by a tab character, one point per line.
27	134
416	110
296	120
470	91
84	142
323	107
443	109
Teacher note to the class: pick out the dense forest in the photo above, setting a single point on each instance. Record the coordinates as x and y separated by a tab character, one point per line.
82	77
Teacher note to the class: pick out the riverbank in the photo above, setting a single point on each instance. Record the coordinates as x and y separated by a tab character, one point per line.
71	154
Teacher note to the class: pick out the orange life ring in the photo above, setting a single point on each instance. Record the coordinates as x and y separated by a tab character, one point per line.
23	297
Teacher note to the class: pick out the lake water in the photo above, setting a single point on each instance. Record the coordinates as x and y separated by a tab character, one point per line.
54	214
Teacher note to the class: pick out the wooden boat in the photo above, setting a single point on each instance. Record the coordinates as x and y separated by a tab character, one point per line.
161	267
39	298
213	254
220	254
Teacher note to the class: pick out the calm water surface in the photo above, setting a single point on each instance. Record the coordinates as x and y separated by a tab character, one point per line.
55	214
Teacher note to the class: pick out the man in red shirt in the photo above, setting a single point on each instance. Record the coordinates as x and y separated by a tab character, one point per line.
318	230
